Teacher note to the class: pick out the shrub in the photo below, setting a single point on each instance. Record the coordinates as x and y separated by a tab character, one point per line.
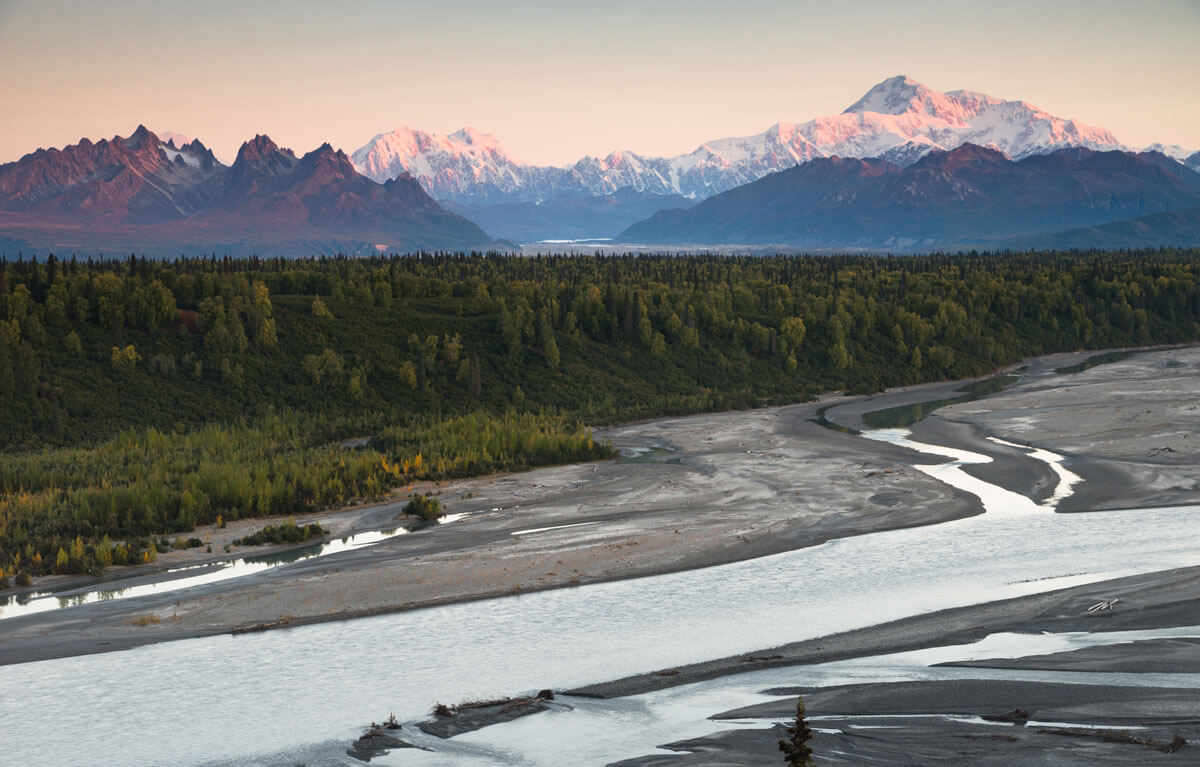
288	532
424	506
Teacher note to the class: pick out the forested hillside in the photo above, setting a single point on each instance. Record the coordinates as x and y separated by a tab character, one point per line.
144	397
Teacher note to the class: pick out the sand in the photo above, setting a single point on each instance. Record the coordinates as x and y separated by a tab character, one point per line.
703	490
691	492
1130	429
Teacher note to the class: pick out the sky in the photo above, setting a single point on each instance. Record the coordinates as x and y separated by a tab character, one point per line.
558	80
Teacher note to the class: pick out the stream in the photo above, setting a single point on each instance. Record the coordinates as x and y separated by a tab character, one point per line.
300	695
180	578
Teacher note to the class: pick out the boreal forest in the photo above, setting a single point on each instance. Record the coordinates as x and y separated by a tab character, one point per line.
142	398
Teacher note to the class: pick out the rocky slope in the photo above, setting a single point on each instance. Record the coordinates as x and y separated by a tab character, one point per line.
971	195
139	194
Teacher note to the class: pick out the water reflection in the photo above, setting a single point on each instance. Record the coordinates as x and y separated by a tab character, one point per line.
1093	361
907	415
995	499
207	573
334	677
821	420
337	676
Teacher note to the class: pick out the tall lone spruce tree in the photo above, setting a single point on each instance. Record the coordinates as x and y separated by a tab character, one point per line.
795	749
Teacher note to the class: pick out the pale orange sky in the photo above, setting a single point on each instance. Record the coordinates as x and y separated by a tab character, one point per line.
554	81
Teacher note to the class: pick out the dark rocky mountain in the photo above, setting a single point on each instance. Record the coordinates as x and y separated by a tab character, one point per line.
133	180
1176	228
969	196
138	194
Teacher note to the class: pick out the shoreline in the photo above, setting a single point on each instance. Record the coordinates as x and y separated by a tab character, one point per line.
1161	599
631	506
922	720
348	520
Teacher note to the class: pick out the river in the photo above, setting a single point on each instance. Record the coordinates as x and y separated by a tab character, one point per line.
299	695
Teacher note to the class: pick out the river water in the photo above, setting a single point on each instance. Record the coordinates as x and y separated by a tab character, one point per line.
181	578
299	695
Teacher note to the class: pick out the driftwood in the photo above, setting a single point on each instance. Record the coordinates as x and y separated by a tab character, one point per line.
472	715
1118	736
441	709
1016	715
1102	606
284	621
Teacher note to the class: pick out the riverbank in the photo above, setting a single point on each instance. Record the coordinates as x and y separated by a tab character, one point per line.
1156	600
688	492
1127	428
934	721
914	724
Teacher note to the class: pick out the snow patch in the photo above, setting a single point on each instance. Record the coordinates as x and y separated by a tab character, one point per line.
899	119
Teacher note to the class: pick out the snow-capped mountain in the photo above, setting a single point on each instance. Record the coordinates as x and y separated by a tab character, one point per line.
969	195
1188	157
1174	151
899	119
466	166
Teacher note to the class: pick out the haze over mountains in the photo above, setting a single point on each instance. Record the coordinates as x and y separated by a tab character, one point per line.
410	189
970	196
139	194
899	120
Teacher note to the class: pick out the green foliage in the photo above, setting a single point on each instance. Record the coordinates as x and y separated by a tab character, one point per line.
424	506
319	310
478	443
796	752
102	504
125	360
287	532
232	380
601	338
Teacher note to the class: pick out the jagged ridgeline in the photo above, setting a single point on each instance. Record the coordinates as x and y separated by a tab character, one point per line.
146	397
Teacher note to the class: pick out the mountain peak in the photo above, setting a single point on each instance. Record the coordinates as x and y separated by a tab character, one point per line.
259	150
899	119
468	136
964	155
260	155
334	162
138	138
894	96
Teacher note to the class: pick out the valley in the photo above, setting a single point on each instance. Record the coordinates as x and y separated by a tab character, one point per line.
767	384
516	526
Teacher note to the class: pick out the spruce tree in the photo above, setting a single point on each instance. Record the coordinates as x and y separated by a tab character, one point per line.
795	749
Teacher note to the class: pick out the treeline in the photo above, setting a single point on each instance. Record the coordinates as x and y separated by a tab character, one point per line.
89	349
241	363
69	510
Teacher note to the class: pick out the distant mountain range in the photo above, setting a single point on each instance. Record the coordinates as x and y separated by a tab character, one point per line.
899	120
139	194
968	196
904	167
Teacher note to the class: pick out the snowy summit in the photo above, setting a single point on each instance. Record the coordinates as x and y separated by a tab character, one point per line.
899	119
